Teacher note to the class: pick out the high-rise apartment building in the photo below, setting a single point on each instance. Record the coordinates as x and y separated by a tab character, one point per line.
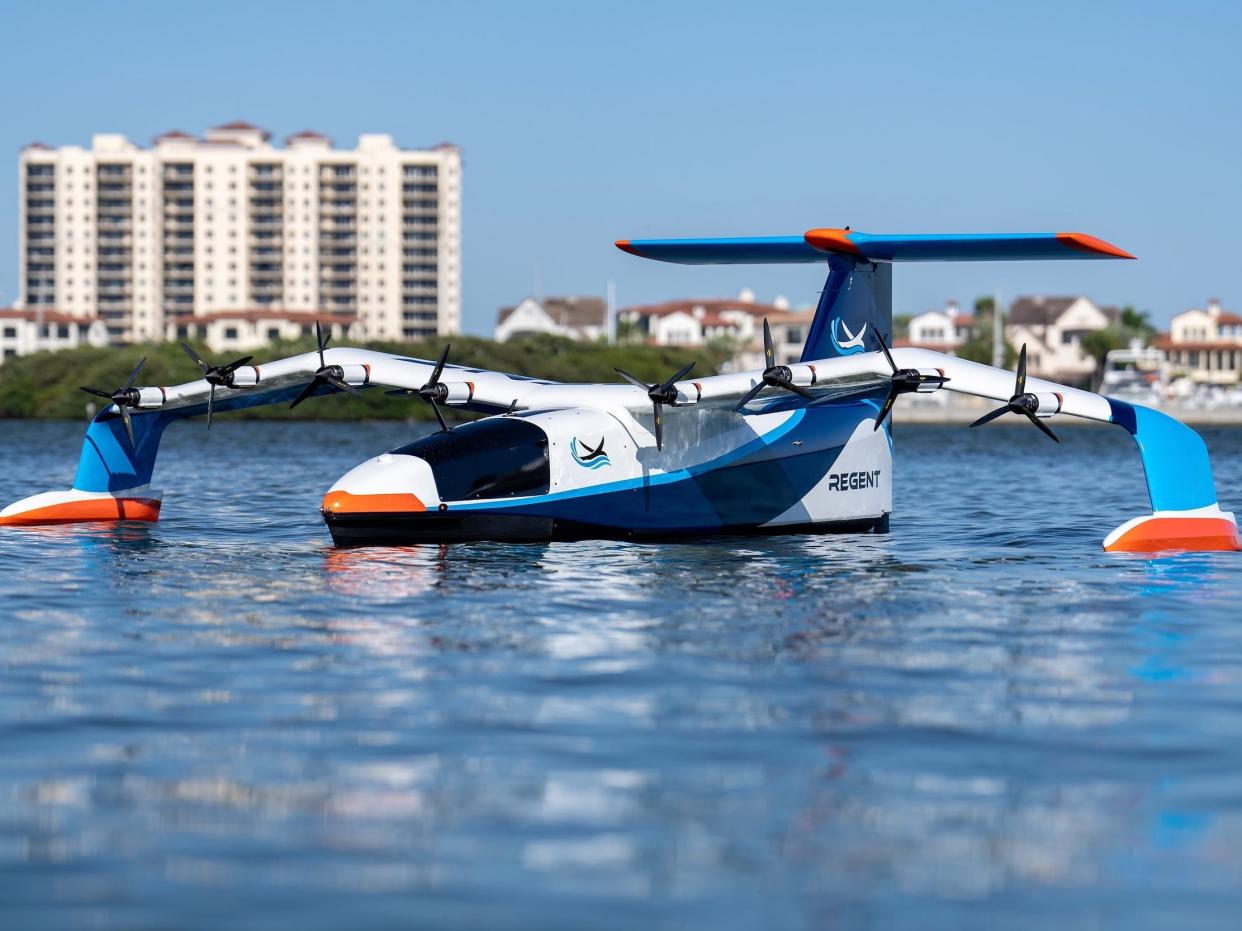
141	238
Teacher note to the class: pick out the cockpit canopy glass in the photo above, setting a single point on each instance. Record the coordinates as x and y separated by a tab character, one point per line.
497	457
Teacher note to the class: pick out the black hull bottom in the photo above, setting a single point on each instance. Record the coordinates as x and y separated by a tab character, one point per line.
405	529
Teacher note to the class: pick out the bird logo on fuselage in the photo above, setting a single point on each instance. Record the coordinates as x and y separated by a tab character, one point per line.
587	457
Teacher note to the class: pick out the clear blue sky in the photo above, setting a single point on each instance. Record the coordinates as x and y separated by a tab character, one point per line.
581	123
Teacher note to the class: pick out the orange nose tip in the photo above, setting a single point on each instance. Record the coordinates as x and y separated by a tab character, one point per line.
342	502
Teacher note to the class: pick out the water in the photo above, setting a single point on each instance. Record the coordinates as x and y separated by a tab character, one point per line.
978	720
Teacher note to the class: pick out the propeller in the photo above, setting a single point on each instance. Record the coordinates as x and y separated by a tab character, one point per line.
902	381
1021	402
218	376
435	392
660	394
332	375
124	398
776	376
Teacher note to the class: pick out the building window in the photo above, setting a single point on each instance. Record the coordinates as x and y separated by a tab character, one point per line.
230	332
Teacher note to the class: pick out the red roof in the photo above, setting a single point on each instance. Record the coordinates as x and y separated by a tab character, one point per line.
174	134
241	125
254	315
1226	317
1165	341
35	145
48	316
306	134
712	308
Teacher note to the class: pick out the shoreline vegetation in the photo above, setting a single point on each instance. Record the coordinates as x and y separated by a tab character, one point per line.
45	385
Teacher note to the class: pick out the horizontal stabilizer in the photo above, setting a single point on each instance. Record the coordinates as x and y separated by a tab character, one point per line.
818	244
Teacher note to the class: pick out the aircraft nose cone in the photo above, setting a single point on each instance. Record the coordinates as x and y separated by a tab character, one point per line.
385	484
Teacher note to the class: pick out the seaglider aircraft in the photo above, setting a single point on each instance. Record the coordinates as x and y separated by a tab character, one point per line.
789	448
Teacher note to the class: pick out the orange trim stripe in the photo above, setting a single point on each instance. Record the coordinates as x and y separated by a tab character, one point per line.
1188	534
90	509
1085	243
342	502
624	246
831	240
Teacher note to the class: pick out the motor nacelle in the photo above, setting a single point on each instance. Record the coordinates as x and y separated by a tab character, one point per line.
246	377
930	380
1048	405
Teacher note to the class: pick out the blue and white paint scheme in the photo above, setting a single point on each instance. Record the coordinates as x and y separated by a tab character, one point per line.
792	448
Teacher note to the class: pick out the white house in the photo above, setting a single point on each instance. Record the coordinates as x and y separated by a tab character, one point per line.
943	330
579	318
1205	344
1052	329
23	332
242	330
697	322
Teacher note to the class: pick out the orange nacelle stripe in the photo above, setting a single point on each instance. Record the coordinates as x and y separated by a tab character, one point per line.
342	502
832	240
1085	243
90	509
1190	534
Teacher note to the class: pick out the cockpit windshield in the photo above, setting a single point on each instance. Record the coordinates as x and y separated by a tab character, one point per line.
497	457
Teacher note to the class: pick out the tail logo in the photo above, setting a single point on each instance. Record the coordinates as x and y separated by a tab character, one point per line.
852	343
587	457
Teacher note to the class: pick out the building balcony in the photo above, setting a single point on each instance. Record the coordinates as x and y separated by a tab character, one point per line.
338	209
115	188
178	187
420	171
337	172
116	239
334	192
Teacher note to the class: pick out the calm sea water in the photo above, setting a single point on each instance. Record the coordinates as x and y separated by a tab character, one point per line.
978	720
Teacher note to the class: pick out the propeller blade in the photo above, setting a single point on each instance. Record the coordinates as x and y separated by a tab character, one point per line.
211	400
236	364
194	357
889	400
96	392
307	391
439	369
440	417
129	426
769	354
676	378
796	389
320	343
1020	383
133	376
750	395
342	385
632	380
989	417
659	424
887	355
1043	426
401	393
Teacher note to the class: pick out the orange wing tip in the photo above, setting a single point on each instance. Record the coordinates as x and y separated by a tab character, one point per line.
1085	243
1156	534
79	510
342	502
624	246
831	240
